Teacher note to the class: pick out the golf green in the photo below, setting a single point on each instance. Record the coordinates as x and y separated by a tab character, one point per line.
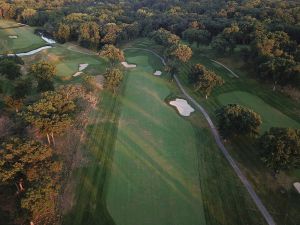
24	41
154	175
271	117
67	61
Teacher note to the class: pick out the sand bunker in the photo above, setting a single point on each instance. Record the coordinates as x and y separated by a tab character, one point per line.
83	66
48	40
126	65
13	36
182	106
157	73
297	186
77	74
31	52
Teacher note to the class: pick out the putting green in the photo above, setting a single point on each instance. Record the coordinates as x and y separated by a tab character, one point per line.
26	40
154	175
67	61
271	117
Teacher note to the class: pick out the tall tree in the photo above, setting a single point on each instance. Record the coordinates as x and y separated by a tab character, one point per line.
44	73
51	115
18	157
64	32
113	78
112	53
89	35
181	53
280	148
204	80
9	68
235	120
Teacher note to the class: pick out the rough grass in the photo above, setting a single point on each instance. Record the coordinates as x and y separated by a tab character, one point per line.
167	169
26	40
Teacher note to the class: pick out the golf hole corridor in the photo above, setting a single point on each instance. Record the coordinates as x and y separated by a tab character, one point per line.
267	216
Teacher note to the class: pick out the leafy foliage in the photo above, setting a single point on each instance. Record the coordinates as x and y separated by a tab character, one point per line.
204	80
234	120
280	148
113	78
112	53
52	114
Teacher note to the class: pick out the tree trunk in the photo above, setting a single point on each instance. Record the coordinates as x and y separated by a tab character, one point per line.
49	142
274	86
53	139
21	186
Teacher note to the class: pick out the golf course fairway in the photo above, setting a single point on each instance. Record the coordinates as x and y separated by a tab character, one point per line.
154	174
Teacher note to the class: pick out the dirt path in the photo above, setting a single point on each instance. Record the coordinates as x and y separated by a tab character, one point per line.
221	146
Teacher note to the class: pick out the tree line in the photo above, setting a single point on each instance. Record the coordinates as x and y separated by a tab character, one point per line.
266	32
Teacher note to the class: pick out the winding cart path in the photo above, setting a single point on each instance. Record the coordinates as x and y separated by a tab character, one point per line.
269	219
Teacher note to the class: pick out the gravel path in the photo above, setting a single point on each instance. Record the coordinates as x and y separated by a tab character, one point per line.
221	146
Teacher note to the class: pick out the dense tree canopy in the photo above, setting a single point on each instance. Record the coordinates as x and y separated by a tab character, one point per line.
113	54
43	72
280	148
235	120
51	115
113	78
204	80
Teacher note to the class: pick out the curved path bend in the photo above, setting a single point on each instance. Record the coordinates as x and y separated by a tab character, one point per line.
269	219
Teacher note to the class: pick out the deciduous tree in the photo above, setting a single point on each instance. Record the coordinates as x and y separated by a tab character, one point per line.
280	148
113	54
235	120
204	80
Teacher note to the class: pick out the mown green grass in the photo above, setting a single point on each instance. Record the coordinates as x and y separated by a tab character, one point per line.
26	40
167	169
271	116
89	206
67	61
276	110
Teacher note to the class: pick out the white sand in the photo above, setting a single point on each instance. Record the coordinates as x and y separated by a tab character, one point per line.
48	40
157	73
77	74
297	186
126	65
182	106
13	36
31	52
83	66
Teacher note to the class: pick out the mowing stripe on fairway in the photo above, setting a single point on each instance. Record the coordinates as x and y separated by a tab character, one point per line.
154	176
231	161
